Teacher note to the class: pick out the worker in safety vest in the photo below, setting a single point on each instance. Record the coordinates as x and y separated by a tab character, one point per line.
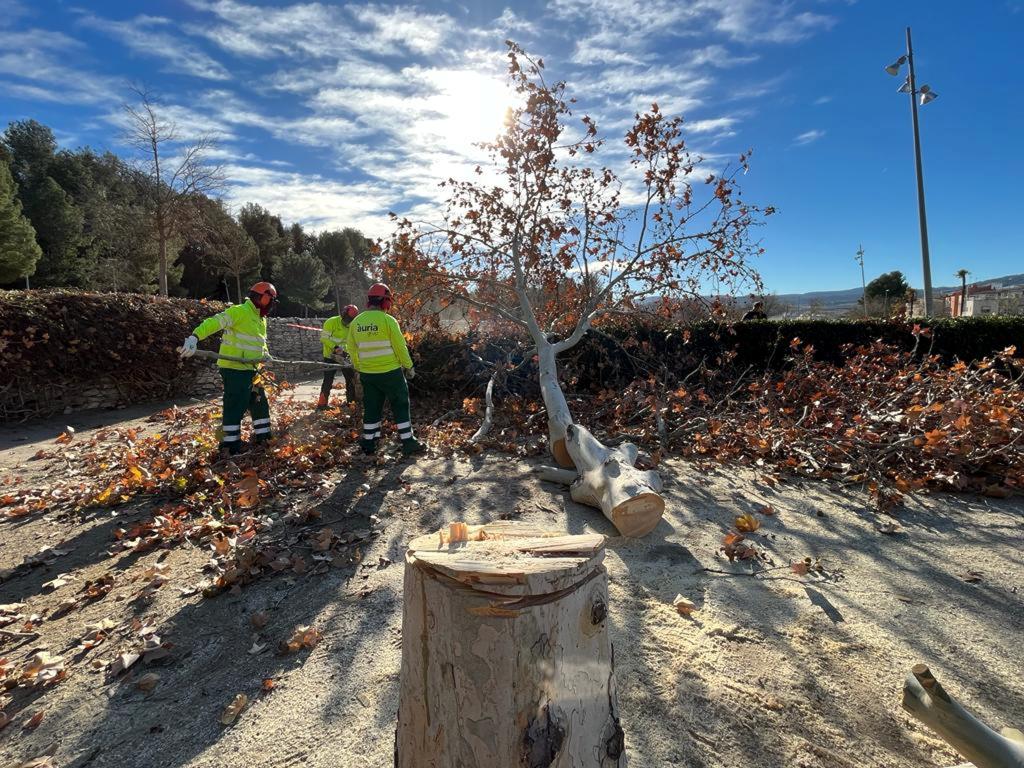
333	337
245	339
378	351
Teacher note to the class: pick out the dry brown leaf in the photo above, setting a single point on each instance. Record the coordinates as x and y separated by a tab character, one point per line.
60	581
268	684
747	523
259	619
35	720
248	491
302	637
148	681
234	709
122	663
802	567
683	606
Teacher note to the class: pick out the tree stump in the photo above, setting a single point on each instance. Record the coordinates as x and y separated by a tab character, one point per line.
506	661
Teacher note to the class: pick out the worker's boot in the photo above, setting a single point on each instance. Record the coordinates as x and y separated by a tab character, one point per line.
322	404
412	447
231	450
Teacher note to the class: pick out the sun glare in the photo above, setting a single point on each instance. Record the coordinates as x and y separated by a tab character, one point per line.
471	108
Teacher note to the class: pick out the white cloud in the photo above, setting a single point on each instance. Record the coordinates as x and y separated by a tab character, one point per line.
403	27
147	36
718	125
808	136
759	21
510	22
186	124
38	55
315	201
321	30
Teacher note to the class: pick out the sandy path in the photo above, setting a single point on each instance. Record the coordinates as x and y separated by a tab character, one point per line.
781	672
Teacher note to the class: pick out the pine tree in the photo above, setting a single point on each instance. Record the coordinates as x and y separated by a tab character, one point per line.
19	250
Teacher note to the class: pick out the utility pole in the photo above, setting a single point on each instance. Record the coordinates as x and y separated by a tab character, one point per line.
863	284
923	219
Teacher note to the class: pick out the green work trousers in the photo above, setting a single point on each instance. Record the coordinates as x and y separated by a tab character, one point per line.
328	382
241	394
379	388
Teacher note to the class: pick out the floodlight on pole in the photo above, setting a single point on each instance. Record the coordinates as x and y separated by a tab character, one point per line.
925	94
894	68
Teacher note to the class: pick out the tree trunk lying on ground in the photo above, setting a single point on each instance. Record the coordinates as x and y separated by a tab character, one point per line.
926	699
606	478
506	661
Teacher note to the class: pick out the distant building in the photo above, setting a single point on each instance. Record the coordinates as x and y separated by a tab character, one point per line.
986	300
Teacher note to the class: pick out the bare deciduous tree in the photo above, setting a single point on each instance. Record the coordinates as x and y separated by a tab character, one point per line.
178	170
550	242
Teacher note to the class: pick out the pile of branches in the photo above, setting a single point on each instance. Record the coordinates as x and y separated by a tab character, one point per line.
893	420
56	340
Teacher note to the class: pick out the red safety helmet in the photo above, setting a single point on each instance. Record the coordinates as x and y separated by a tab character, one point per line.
348	314
379	295
264	296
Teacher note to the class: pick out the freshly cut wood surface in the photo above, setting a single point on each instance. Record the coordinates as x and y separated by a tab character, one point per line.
509	557
506	661
608	479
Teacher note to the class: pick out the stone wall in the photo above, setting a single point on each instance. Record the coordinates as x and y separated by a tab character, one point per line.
20	402
287	342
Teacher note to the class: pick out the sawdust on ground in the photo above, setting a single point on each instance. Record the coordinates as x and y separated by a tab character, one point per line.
780	670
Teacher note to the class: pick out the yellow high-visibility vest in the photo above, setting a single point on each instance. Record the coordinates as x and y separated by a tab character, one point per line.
376	344
334	334
245	334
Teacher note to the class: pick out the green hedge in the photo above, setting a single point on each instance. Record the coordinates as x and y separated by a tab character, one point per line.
72	337
616	354
765	344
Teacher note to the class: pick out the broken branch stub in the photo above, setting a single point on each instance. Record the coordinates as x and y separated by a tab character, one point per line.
506	661
629	497
926	699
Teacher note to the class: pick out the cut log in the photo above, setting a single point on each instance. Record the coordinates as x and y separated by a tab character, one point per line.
506	661
926	699
607	479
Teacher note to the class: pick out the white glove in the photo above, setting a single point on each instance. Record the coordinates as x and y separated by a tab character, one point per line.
189	347
410	373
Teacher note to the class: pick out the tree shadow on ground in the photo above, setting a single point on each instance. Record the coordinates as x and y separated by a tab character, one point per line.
211	659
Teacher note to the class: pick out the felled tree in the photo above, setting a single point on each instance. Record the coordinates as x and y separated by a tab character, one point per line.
550	241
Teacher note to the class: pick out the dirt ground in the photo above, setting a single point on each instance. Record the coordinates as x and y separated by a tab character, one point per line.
778	670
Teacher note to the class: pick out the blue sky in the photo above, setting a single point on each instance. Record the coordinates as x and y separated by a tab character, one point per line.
333	114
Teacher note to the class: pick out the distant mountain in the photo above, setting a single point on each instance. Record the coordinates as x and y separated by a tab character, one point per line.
837	302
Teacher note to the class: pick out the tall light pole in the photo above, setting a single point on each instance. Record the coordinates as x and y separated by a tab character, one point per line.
924	95
863	285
